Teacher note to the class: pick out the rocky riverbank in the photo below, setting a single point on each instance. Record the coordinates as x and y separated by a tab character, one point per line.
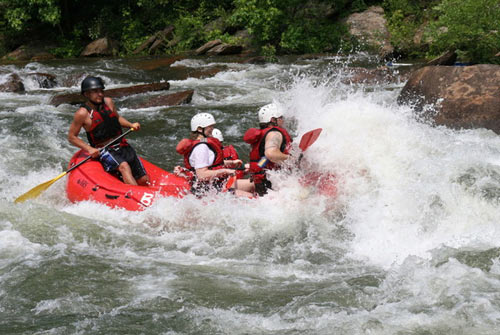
455	96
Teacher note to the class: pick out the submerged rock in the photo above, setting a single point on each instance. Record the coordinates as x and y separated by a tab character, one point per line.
172	99
44	80
153	64
77	98
204	73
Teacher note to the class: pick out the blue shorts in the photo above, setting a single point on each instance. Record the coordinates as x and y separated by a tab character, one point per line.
111	158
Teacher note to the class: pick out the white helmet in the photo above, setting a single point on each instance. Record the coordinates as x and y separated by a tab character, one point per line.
202	120
217	134
269	111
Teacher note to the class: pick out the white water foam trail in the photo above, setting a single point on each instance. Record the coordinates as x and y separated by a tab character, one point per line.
398	186
399	177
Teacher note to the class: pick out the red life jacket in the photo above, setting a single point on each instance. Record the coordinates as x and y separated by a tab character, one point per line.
186	146
230	153
257	139
105	126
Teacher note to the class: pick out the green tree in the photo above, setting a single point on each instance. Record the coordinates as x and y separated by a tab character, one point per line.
404	19
262	18
470	26
18	13
292	26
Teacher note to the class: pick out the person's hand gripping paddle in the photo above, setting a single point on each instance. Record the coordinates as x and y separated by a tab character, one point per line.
37	190
305	142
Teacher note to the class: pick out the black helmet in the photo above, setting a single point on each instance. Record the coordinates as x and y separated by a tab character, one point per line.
90	83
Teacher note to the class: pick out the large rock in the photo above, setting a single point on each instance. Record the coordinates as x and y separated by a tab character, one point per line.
370	28
21	53
463	97
380	75
77	98
34	52
12	84
101	47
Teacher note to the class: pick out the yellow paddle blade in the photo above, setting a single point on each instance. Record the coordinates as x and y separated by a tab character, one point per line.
37	190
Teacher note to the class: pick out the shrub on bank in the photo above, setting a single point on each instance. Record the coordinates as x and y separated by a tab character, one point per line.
286	26
430	27
472	27
418	27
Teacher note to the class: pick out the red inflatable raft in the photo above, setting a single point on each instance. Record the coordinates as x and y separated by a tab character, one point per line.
90	182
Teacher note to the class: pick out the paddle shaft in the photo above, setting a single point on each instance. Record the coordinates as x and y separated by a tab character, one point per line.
101	149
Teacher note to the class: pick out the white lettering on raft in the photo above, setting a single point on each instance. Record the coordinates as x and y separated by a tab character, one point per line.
147	199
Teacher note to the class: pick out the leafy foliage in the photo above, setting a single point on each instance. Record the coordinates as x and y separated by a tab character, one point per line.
290	26
261	18
189	30
18	13
316	36
275	26
469	26
405	18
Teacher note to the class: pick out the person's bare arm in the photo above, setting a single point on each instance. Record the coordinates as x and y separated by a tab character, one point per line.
207	174
123	121
272	146
233	163
74	130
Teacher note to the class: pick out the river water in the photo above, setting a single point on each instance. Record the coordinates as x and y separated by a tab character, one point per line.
410	245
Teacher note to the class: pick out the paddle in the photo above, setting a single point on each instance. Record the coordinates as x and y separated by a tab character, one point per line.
305	142
309	138
37	190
